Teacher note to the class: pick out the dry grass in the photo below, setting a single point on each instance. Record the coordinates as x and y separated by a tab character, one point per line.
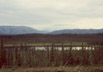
53	69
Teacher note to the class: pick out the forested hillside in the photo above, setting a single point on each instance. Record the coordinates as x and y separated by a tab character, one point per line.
49	38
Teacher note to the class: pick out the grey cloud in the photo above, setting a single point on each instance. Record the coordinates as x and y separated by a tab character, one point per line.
12	13
23	17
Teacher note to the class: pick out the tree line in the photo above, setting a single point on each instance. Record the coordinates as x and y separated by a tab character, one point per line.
54	38
51	56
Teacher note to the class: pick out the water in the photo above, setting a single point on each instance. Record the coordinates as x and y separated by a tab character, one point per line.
57	48
65	48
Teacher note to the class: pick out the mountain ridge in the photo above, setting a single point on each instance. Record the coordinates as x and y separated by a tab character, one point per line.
77	31
15	30
12	30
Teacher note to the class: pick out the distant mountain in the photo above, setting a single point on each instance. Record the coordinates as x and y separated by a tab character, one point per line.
12	30
15	30
77	31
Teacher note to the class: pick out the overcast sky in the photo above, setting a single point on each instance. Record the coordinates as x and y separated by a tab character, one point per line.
52	14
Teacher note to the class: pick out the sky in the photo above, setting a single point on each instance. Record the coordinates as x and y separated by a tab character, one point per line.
52	14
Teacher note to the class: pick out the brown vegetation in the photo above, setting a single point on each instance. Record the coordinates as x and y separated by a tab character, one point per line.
24	56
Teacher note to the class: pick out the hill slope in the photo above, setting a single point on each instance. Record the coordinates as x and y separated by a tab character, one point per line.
12	30
15	30
78	31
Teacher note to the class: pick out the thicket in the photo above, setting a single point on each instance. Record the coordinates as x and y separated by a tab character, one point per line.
55	38
51	56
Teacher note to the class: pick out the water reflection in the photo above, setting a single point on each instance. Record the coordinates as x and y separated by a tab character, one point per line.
65	48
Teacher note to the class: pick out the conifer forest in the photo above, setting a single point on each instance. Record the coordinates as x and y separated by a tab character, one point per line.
41	50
